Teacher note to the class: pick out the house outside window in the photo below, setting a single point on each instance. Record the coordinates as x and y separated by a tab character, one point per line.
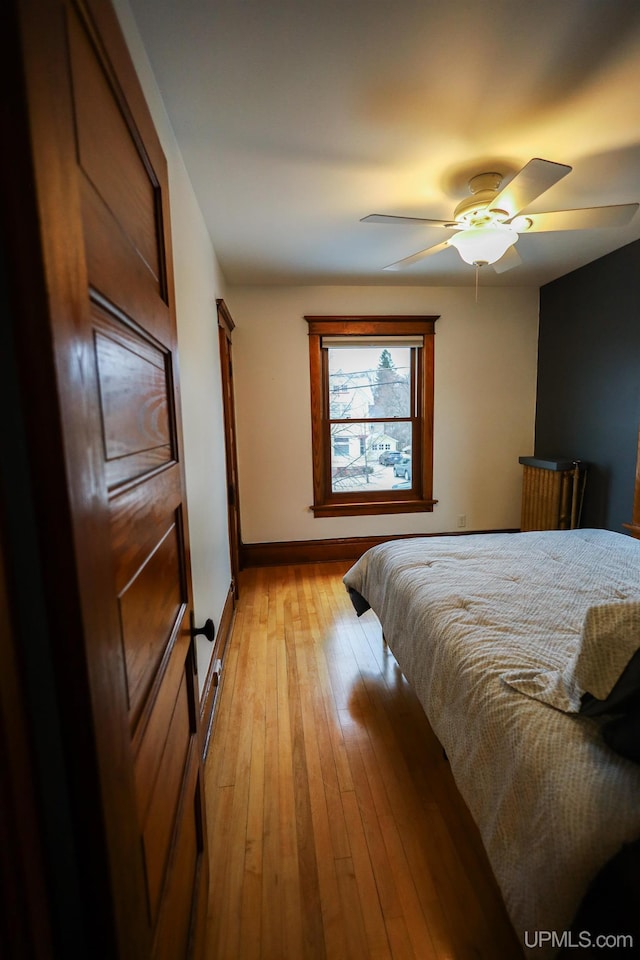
341	447
372	448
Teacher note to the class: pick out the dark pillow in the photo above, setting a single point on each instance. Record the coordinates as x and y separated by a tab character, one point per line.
360	605
623	734
625	692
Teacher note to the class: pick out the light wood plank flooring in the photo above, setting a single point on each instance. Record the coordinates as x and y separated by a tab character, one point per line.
335	828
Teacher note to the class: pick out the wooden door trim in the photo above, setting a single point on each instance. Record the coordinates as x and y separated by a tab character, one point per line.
226	327
224	317
215	674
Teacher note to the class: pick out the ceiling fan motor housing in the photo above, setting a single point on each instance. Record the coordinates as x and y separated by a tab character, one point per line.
476	210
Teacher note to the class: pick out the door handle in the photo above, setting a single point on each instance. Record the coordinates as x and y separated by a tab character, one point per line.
208	630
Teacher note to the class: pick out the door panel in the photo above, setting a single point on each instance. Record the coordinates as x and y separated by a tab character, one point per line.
149	742
173	931
133	390
133	387
111	255
104	134
122	184
135	400
149	609
137	512
163	798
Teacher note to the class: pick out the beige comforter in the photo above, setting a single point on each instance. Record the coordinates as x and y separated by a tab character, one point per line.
553	803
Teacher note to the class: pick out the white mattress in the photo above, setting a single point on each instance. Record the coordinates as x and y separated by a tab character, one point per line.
552	802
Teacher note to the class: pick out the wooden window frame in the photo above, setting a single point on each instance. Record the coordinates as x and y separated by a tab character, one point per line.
327	503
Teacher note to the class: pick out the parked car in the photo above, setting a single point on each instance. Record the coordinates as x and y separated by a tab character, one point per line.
389	457
403	468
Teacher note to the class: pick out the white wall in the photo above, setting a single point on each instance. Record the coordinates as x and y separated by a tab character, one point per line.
485	386
198	282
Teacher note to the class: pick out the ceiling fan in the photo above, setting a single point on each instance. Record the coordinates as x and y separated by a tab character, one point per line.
490	221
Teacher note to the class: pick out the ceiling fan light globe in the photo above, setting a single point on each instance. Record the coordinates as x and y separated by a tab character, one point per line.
483	244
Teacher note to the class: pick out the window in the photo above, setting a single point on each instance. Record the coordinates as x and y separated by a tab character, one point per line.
372	447
341	447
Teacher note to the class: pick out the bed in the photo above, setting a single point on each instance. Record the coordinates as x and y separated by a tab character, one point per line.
521	648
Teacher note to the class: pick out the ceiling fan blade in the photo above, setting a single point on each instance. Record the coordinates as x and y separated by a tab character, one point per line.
384	218
414	258
529	183
582	219
508	260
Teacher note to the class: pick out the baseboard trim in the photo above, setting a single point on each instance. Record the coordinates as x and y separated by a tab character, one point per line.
215	679
318	551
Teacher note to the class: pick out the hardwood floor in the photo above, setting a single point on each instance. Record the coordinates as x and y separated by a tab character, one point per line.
335	828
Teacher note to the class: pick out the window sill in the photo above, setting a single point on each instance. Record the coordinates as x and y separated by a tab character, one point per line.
372	508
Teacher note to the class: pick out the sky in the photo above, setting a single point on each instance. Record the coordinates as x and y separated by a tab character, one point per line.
354	359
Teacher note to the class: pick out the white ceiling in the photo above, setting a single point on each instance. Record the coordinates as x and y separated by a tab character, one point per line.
296	118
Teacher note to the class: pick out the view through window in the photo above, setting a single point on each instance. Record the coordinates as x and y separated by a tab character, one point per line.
370	411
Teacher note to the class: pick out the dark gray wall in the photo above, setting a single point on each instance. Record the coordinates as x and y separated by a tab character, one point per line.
588	400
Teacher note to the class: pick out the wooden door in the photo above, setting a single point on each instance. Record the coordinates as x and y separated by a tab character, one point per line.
116	550
225	329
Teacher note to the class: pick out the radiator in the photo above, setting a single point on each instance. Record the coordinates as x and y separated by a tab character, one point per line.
552	493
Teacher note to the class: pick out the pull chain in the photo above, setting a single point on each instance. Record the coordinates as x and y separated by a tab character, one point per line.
477	264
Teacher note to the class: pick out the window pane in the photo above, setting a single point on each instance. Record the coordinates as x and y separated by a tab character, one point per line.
369	382
370	456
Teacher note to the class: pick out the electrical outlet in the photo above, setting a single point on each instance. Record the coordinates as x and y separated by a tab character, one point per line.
462	520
